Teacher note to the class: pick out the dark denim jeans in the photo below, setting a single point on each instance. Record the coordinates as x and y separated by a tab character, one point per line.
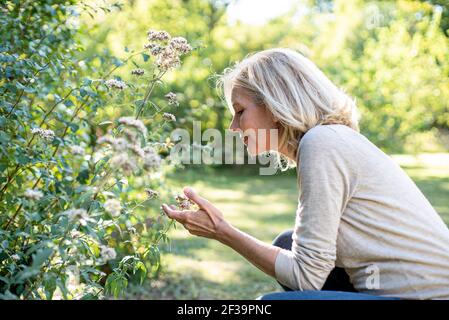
336	287
321	295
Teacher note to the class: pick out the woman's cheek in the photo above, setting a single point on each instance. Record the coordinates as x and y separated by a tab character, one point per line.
247	122
242	123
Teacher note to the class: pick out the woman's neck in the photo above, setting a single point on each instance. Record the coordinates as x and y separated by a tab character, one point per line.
291	154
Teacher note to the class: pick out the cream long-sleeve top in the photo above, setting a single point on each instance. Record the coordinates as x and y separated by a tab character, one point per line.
358	210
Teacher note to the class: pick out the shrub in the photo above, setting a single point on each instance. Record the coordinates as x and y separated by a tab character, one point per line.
69	226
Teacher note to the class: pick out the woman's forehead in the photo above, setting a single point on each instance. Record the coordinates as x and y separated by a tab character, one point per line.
240	96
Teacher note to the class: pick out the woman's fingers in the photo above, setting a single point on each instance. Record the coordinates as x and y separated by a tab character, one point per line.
213	213
195	197
203	222
172	213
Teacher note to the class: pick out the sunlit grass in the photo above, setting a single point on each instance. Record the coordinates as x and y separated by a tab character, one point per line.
262	206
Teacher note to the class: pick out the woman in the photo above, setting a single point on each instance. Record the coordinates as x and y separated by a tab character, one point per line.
362	225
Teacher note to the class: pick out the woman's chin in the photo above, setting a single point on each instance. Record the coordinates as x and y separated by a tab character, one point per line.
250	152
254	152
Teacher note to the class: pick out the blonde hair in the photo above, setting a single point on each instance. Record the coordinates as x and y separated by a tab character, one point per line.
296	92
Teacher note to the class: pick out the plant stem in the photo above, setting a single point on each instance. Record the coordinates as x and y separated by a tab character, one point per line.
10	177
54	153
124	62
148	93
23	90
47	265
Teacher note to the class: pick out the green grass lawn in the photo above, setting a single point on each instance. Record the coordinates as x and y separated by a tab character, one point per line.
263	206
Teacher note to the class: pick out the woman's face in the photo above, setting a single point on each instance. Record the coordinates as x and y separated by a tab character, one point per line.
253	122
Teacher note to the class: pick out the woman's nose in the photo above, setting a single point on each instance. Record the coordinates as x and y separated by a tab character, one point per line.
234	126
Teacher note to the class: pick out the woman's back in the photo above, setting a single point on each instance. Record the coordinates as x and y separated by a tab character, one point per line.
390	240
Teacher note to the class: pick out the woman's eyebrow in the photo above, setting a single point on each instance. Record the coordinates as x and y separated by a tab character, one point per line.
236	104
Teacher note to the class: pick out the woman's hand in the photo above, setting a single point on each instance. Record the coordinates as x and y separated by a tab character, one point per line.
206	222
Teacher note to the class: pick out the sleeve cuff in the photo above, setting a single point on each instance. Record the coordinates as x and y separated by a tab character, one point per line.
283	268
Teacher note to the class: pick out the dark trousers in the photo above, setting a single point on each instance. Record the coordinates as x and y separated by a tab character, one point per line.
338	279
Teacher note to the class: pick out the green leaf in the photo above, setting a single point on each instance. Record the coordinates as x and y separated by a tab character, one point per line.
105	123
50	287
74	127
4	137
116	283
89	296
142	269
83	176
41	256
61	281
145	57
23	159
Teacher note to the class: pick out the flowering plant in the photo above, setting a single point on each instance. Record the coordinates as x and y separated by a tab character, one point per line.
68	226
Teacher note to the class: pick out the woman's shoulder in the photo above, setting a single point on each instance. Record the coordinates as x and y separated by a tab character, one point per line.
333	141
330	135
336	141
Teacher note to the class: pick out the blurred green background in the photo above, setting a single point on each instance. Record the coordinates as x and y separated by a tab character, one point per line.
392	56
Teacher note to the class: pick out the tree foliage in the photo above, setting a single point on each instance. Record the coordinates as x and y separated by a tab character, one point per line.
74	171
391	56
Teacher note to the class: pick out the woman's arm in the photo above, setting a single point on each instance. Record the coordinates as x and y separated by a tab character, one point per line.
260	254
329	175
208	222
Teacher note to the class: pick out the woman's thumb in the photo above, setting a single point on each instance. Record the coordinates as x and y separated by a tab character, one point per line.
193	195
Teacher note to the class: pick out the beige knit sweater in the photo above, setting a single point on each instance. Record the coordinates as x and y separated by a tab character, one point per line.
359	210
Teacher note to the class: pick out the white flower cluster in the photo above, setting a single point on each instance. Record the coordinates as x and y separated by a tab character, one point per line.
33	194
151	159
151	194
75	234
168	116
183	202
167	59
107	140
130	135
155	35
125	162
113	207
116	84
127	153
129	225
131	122
138	72
180	45
15	257
166	49
45	134
77	150
137	150
79	215
107	253
172	99
155	49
